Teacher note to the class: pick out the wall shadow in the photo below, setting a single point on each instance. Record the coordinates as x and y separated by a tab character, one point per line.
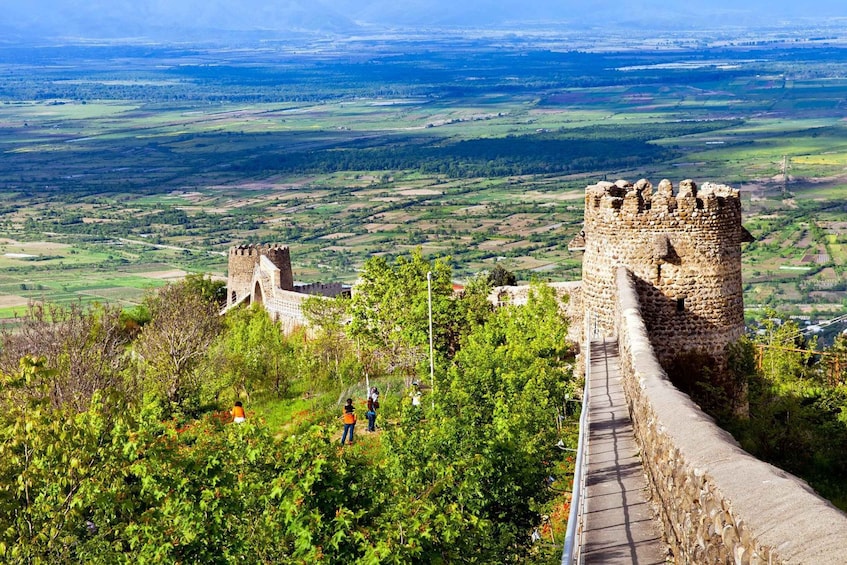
694	367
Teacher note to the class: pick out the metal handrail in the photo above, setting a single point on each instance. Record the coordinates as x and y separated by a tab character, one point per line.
573	535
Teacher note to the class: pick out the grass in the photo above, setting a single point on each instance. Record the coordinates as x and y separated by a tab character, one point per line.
84	275
289	415
303	405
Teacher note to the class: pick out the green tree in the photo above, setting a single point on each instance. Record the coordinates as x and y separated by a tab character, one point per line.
389	309
835	365
462	481
499	276
210	289
252	354
171	347
330	343
469	478
54	464
784	350
86	488
474	308
84	348
796	417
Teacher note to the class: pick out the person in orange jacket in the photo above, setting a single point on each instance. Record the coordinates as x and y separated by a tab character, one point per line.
349	419
238	414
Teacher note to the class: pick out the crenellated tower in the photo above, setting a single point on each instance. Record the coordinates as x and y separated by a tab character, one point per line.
684	250
242	263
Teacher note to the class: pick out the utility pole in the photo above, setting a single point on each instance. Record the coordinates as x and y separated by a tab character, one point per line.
431	357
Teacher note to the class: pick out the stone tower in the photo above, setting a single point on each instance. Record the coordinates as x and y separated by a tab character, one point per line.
684	251
242	264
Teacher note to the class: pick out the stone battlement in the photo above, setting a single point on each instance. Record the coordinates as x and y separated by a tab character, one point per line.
261	274
243	260
258	249
689	202
684	249
323	289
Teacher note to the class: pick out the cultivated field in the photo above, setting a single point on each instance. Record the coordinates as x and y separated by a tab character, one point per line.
124	168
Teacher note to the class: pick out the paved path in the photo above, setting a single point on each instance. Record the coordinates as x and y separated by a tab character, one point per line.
618	522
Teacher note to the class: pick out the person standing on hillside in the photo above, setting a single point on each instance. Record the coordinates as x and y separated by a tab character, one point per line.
371	414
349	419
238	415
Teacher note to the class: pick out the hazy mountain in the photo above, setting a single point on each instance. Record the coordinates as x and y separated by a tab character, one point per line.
175	18
169	18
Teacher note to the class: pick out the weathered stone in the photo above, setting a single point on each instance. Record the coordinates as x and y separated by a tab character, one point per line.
687	189
717	503
262	274
686	256
665	188
243	260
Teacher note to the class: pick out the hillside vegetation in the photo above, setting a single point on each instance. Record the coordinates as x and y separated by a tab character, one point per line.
117	446
797	391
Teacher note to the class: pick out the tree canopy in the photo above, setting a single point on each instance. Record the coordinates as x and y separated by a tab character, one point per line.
157	473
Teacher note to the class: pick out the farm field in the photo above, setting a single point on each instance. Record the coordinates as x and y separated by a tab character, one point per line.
123	167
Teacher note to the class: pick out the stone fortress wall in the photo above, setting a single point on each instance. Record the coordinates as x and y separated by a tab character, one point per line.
262	274
684	249
519	295
243	260
662	272
717	503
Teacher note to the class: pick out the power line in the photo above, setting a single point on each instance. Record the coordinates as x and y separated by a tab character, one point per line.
824	324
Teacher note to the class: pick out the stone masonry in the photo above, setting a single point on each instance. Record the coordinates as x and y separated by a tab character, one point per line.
684	250
662	272
718	504
262	274
243	261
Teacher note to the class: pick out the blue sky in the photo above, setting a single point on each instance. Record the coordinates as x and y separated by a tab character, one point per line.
111	18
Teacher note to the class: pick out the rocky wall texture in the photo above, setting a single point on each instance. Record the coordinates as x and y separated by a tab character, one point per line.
242	263
718	503
684	249
285	308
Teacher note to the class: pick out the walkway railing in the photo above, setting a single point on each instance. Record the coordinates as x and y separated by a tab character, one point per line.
573	536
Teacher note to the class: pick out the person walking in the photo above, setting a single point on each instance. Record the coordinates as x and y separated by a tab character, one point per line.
416	394
349	419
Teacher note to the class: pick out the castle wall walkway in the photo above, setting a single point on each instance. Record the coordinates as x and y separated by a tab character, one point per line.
618	523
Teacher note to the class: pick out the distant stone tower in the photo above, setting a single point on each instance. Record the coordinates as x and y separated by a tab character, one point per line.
243	260
684	251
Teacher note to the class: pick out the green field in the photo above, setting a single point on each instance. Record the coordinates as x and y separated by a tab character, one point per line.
119	174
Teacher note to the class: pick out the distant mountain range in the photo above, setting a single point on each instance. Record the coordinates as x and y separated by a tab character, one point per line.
193	19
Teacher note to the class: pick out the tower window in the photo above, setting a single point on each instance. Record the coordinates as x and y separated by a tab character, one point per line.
680	305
